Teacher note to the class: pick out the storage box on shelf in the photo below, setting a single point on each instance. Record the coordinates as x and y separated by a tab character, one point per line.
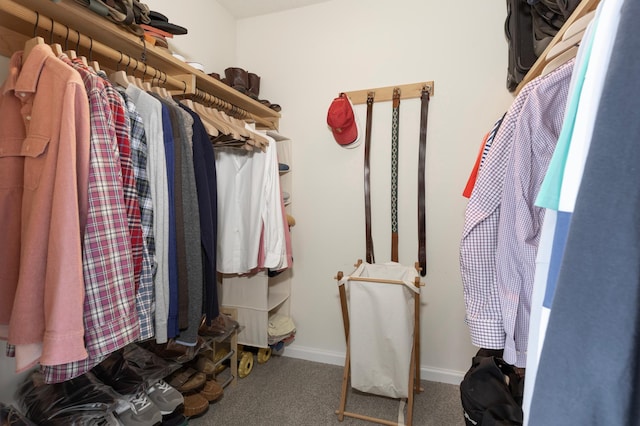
255	298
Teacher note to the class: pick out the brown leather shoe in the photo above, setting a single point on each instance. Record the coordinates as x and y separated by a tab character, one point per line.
187	379
254	85
237	78
205	364
219	326
212	391
195	405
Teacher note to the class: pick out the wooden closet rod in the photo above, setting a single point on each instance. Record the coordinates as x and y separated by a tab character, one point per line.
184	84
407	91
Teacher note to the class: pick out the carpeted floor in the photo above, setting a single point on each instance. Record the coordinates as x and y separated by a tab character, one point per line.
287	391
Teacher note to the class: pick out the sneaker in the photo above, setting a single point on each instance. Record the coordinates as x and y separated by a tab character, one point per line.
165	397
138	410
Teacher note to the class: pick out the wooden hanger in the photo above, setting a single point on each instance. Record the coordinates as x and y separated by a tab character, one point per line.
216	121
135	81
210	128
579	25
231	121
56	49
260	140
234	130
84	61
146	86
29	45
559	60
95	65
119	78
158	89
32	42
71	54
254	138
565	44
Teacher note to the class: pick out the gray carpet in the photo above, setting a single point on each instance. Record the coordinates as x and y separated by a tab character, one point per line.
287	391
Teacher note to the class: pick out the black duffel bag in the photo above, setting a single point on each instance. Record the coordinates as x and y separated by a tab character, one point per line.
491	393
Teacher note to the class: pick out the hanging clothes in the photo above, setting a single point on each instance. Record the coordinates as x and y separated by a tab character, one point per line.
145	292
44	170
535	138
498	245
249	208
110	316
604	60
187	226
480	235
206	183
123	184
150	110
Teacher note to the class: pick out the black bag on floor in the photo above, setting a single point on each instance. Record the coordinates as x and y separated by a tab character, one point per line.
491	393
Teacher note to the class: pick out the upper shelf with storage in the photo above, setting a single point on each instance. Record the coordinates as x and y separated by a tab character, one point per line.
18	21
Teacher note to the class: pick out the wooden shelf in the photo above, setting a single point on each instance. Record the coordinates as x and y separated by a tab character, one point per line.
112	47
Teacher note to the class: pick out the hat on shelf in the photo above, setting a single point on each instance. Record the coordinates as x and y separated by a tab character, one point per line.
343	122
160	21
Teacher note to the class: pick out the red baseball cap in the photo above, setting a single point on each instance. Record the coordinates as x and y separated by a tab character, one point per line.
343	122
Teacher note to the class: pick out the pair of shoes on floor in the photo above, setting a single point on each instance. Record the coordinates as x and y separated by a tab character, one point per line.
175	351
160	402
138	410
219	326
195	382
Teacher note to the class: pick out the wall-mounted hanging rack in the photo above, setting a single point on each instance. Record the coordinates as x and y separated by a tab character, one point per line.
114	47
407	91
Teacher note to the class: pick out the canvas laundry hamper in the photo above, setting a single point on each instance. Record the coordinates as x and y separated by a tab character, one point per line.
380	304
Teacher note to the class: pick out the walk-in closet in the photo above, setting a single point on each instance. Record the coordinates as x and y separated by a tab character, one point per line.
318	212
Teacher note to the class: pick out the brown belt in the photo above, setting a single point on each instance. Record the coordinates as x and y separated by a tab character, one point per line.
367	194
422	238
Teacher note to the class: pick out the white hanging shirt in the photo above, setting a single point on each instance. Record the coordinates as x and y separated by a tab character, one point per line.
248	205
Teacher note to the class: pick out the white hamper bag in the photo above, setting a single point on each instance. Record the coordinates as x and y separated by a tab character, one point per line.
381	319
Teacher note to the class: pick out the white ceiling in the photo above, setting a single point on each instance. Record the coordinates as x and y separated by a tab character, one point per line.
248	8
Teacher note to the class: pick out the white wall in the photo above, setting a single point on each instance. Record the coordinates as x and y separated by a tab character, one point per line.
211	37
305	57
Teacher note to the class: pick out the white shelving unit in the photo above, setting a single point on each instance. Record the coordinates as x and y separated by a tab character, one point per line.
257	297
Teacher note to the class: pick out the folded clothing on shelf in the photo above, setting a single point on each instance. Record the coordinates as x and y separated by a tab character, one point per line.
280	325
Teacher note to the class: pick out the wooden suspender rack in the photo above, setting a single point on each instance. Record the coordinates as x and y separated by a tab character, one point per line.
583	8
407	91
114	48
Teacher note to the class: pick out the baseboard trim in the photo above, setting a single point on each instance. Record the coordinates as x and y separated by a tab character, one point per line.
432	374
